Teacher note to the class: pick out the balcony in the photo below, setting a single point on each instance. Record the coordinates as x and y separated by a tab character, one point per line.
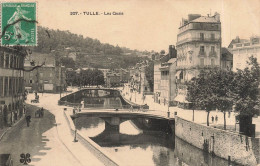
203	40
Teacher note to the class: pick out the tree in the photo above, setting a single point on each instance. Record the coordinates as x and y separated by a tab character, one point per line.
149	74
162	52
71	77
222	86
68	62
99	78
245	94
200	92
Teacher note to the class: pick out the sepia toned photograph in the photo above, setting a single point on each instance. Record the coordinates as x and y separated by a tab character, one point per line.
130	83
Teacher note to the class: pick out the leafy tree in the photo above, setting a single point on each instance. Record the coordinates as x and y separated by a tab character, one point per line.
221	83
200	92
245	94
162	52
68	62
71	78
149	74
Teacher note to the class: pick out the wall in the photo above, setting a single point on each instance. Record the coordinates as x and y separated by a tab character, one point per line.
102	155
241	149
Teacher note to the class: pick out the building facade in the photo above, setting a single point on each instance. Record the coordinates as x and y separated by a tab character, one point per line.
164	78
226	60
198	47
48	78
138	81
11	85
242	49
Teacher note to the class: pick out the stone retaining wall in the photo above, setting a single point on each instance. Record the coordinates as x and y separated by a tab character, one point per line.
102	155
228	145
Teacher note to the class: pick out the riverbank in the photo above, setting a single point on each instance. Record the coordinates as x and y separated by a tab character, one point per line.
199	116
94	148
231	146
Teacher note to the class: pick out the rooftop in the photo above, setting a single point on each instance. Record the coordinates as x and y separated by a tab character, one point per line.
40	58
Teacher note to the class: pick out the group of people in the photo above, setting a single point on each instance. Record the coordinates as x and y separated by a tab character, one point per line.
39	112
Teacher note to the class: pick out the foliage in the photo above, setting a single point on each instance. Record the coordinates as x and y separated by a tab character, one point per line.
245	90
68	62
201	93
216	88
71	78
149	74
90	52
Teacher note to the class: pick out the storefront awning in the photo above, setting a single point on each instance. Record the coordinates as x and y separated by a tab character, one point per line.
181	99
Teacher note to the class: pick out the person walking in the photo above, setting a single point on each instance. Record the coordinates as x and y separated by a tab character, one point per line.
216	119
28	120
212	119
42	112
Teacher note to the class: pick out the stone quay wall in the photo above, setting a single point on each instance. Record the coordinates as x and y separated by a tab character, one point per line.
225	144
100	153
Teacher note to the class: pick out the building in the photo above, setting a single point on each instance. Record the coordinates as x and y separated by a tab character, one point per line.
164	78
198	47
226	60
48	78
242	49
11	85
138	81
124	75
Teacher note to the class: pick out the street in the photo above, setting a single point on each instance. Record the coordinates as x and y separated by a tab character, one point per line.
40	140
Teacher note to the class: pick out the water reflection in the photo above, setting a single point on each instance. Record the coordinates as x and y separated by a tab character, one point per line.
102	102
135	146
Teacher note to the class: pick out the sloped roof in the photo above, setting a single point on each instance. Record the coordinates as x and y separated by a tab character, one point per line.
237	40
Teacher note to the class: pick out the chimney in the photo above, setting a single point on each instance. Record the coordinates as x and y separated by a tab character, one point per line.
217	16
172	51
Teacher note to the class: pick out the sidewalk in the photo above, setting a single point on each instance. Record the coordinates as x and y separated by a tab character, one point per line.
200	116
81	154
5	129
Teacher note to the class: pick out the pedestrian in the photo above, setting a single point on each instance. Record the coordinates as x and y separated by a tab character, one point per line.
28	120
42	112
212	119
216	119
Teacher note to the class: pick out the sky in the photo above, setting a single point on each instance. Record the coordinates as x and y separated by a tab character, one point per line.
147	24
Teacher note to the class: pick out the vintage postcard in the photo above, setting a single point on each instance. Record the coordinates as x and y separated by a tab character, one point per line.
129	82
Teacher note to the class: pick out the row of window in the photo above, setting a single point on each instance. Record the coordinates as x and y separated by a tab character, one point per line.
212	62
11	61
40	81
202	48
11	86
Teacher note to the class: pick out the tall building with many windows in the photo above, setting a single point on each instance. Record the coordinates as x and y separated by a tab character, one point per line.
11	85
198	47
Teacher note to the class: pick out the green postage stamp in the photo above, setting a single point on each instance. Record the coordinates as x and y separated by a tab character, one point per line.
18	24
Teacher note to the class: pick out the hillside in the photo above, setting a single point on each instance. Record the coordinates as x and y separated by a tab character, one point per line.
89	52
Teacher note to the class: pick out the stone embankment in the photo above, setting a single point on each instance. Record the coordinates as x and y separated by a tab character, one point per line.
231	146
102	155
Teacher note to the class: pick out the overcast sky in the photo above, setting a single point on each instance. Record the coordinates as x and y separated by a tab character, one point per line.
147	24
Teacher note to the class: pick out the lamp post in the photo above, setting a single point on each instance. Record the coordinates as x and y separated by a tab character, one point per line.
168	112
75	135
